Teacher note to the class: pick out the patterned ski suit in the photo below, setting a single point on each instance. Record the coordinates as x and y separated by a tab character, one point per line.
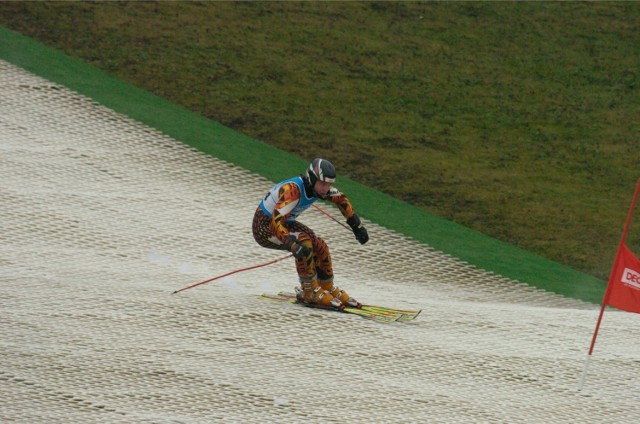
275	219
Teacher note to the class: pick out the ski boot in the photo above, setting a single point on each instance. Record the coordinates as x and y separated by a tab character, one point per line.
341	295
312	293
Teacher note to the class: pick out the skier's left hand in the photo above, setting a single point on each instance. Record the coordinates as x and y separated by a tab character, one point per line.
358	229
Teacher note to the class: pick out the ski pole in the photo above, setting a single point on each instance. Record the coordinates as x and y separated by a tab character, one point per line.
331	216
232	272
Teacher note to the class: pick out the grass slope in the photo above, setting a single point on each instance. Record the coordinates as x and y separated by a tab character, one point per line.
518	120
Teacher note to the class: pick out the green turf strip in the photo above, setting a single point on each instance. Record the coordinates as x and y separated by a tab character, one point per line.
229	145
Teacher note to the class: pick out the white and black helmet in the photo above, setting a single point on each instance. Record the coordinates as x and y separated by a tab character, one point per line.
322	170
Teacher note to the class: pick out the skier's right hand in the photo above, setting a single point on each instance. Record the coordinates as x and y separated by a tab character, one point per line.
298	249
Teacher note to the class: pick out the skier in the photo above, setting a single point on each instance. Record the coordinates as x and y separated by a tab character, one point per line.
275	227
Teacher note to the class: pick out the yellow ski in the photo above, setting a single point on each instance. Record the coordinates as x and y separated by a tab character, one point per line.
379	316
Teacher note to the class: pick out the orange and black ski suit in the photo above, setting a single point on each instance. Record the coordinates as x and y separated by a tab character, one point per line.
275	219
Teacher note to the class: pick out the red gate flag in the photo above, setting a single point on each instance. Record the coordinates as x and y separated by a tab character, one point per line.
624	284
623	288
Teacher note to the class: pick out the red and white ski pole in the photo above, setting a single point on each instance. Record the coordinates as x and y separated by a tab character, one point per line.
261	265
231	273
331	216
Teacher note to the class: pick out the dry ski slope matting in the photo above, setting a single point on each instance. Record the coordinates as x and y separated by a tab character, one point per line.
102	218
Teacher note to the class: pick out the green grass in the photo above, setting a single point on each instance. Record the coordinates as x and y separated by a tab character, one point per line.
519	120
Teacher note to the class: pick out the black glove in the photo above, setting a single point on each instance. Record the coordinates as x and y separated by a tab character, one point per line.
358	230
299	250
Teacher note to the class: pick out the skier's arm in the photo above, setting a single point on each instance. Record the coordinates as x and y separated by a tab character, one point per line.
337	197
288	197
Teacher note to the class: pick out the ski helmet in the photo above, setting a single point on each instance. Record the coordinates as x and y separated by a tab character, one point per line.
321	169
